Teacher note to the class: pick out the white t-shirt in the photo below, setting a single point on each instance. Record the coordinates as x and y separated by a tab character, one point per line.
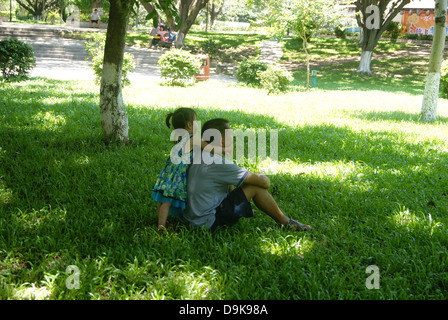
94	16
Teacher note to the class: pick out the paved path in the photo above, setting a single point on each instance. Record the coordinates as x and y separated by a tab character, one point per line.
65	69
76	68
271	51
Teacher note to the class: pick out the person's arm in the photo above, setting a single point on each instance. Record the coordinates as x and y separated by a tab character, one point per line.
258	180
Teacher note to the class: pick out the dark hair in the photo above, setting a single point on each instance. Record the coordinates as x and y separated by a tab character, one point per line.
180	117
219	124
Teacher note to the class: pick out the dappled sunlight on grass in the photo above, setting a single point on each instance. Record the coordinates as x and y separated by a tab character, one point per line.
289	246
49	121
32	292
328	48
416	223
6	195
358	166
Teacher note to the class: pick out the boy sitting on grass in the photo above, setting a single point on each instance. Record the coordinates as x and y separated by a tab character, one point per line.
209	202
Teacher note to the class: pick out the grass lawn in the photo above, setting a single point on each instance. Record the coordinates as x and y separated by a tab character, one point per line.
354	162
390	76
326	48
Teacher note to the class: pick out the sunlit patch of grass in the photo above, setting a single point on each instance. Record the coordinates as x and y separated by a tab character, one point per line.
354	161
328	48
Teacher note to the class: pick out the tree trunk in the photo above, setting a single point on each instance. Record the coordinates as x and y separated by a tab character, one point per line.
370	40
114	120
305	47
365	62
373	18
188	10
215	11
188	13
206	17
97	4
431	94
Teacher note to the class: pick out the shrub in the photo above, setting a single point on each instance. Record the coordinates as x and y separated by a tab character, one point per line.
275	79
393	30
53	16
340	33
211	48
95	49
16	58
249	69
178	64
444	79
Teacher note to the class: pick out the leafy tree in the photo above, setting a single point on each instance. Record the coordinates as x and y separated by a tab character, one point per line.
303	17
187	11
214	9
37	8
373	18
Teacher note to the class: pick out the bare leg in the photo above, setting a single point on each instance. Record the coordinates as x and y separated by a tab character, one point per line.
266	203
162	213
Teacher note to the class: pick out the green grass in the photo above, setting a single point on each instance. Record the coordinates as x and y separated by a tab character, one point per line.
354	162
389	76
327	48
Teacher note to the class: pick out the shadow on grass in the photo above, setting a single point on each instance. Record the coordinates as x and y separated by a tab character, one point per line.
76	201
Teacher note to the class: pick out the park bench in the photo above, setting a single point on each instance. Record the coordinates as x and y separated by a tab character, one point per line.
177	42
225	68
165	44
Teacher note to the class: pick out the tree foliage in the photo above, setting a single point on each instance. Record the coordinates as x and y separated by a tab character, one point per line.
178	64
180	15
16	58
303	17
373	18
37	8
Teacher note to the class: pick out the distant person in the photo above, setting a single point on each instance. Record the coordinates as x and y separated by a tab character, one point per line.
94	18
161	35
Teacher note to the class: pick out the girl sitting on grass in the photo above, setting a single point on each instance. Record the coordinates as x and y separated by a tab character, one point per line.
170	189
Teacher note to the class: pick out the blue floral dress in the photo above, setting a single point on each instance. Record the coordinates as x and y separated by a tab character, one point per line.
171	185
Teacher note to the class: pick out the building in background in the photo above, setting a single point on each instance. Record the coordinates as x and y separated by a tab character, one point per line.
417	17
